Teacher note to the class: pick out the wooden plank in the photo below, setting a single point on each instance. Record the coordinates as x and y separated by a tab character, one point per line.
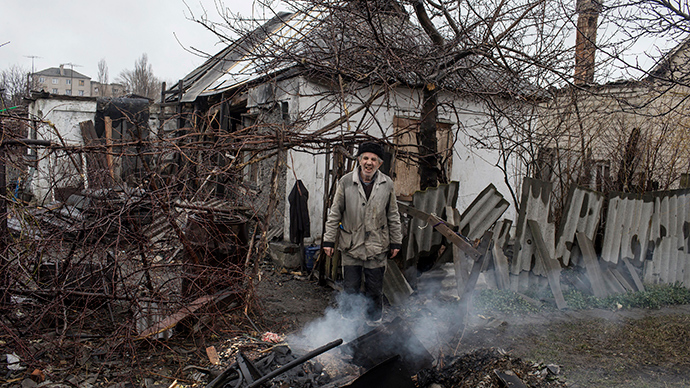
109	144
96	165
592	266
552	267
441	226
636	279
172	320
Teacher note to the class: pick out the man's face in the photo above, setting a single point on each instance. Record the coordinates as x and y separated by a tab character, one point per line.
369	163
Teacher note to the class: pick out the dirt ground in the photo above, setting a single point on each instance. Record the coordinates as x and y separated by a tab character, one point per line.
591	348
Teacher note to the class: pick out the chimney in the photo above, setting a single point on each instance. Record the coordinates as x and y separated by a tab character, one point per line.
62	69
586	40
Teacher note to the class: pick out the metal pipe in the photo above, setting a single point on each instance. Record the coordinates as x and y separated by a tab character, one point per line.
296	362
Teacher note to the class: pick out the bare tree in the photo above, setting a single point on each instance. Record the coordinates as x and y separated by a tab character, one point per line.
15	82
141	80
102	76
488	51
514	58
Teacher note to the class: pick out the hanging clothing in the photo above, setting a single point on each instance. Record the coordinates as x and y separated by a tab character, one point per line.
299	213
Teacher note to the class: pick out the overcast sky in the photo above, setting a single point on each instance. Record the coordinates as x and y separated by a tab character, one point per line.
82	32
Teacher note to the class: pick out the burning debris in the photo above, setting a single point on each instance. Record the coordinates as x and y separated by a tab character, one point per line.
351	366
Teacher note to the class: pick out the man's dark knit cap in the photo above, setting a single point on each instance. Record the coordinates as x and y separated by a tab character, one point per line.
374	148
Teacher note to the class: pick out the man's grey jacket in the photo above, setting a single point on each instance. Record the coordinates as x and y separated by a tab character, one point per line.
367	227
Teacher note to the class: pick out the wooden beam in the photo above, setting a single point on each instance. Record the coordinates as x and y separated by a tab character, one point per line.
109	144
552	267
441	226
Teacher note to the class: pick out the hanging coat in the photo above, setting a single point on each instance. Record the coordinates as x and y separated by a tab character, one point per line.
299	213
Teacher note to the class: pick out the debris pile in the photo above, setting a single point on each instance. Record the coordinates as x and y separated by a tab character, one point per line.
485	368
489	368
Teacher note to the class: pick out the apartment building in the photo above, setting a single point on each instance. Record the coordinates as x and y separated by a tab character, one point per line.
63	81
67	82
107	90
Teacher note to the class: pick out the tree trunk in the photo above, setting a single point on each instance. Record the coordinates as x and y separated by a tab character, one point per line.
426	138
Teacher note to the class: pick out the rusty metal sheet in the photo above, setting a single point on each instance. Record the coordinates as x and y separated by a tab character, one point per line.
482	213
534	205
582	214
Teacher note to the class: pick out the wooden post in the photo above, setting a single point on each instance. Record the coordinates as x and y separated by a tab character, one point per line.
109	144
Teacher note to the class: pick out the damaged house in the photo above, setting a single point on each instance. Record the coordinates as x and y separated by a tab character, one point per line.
629	135
296	95
99	126
613	165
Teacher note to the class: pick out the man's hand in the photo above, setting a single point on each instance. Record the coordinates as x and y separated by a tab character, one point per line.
394	252
329	251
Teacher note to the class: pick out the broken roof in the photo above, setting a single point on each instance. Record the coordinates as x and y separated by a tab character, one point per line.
324	42
673	61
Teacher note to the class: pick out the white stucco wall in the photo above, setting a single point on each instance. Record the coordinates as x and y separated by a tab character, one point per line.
55	168
472	167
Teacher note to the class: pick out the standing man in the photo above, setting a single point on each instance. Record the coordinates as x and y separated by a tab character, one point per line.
365	215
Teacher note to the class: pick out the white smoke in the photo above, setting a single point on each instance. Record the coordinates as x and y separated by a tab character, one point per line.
429	314
333	325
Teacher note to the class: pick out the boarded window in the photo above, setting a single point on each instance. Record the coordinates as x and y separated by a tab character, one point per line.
405	172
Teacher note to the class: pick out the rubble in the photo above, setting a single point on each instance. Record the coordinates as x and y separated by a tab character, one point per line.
488	368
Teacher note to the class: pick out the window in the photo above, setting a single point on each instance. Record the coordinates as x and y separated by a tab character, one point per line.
602	175
68	81
95	89
115	90
68	92
546	159
55	91
81	92
403	167
41	79
55	81
81	82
